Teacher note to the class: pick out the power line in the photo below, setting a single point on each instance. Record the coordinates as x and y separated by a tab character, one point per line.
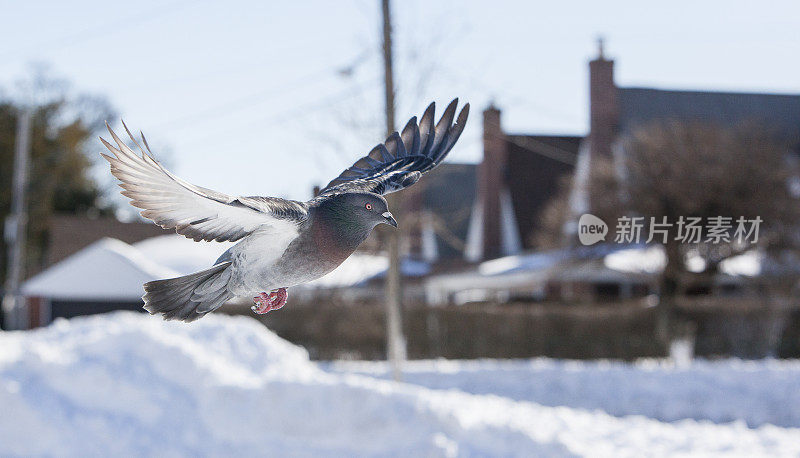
295	113
471	79
249	100
105	29
543	149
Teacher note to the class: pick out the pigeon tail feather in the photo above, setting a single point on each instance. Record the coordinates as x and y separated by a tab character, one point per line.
190	297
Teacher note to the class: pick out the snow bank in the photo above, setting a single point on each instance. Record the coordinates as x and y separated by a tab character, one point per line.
756	392
130	384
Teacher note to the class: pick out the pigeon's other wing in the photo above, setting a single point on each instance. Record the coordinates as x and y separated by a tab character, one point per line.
195	212
404	157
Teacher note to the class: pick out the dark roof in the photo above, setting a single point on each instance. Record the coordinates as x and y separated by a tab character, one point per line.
71	233
536	164
449	193
638	106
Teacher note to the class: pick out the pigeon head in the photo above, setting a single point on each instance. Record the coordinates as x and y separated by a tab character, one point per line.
367	208
342	221
357	212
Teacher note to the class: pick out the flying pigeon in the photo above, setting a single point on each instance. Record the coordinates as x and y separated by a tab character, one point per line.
281	243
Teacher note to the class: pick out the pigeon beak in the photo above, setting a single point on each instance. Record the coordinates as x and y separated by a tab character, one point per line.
389	219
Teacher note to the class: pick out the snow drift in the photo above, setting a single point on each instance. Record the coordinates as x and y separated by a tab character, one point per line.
756	392
129	384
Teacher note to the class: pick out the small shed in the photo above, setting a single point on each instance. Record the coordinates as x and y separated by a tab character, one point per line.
107	275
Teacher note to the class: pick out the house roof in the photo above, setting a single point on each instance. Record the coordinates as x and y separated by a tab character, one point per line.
536	164
107	270
112	270
597	263
361	268
652	259
449	192
71	233
529	271
639	106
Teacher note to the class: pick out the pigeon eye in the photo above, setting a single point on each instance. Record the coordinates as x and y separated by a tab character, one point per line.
368	206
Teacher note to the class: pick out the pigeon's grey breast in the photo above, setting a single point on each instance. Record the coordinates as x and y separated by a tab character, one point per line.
320	245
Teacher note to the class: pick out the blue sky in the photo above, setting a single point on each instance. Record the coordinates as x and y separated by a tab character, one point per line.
250	97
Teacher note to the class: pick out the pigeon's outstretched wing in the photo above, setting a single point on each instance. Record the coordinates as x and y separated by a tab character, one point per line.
404	157
197	213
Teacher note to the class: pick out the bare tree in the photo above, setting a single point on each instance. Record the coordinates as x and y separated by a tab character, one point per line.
677	170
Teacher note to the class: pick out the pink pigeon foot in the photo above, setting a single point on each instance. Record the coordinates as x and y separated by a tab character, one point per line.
267	302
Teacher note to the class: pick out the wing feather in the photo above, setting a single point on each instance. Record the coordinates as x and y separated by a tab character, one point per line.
193	211
402	159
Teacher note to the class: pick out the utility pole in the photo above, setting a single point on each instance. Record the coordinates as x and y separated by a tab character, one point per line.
13	306
395	343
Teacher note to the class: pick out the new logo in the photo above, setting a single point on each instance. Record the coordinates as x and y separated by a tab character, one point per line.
591	229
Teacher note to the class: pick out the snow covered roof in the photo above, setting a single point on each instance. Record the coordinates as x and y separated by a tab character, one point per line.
105	270
637	260
359	268
545	259
607	262
521	263
180	254
651	259
113	270
632	259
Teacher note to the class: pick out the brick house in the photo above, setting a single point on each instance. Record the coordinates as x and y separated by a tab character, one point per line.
519	173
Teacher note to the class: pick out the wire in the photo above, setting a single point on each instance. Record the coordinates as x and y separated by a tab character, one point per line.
249	100
470	78
105	29
297	112
543	149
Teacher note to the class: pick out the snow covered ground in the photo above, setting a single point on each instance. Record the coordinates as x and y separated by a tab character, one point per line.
129	384
756	392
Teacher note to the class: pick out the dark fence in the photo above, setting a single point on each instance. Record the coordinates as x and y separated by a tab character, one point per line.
789	342
70	308
744	328
475	331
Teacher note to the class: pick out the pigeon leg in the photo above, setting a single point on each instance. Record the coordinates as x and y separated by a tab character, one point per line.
266	302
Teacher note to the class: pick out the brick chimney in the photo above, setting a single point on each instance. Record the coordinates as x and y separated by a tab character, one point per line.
603	108
491	181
